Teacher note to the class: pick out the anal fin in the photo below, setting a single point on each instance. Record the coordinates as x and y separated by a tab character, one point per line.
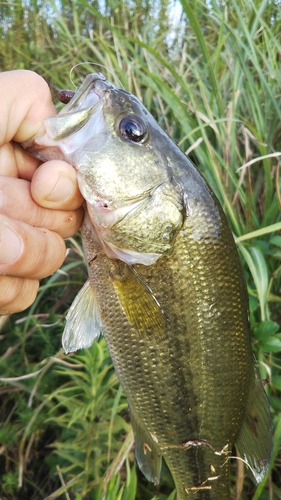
147	452
255	440
83	324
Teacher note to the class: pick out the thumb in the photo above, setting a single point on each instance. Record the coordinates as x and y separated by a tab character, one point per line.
25	101
54	185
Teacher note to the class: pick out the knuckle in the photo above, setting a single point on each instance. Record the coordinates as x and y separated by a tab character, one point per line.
68	222
49	255
42	253
16	293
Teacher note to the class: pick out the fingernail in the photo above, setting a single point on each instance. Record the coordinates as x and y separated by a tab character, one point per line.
62	190
10	245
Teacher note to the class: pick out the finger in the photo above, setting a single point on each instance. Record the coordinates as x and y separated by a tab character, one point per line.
25	101
17	203
14	160
54	185
28	252
16	294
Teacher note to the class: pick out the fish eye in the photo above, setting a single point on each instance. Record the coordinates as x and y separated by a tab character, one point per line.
132	128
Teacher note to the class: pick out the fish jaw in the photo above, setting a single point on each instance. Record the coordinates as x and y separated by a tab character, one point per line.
78	122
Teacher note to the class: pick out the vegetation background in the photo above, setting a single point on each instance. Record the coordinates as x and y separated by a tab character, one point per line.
209	71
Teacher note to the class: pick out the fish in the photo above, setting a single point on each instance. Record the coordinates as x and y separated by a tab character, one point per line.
165	288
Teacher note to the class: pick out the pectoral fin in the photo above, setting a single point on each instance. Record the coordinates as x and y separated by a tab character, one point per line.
255	439
147	452
83	324
137	300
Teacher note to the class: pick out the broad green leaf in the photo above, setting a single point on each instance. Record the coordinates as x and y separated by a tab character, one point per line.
273	344
265	329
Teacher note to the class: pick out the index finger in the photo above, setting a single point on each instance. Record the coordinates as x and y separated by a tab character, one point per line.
15	162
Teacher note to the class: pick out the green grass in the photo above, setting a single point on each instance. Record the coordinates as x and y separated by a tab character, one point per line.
213	82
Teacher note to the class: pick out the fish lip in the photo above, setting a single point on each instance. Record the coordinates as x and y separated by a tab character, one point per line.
101	86
93	89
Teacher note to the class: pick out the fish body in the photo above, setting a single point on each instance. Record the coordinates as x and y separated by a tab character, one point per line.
166	289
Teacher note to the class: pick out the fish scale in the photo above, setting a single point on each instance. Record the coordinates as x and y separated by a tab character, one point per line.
167	290
149	400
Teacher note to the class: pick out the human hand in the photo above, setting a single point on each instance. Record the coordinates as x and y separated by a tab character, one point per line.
38	206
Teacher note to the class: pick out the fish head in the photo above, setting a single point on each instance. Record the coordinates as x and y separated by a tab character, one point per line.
119	152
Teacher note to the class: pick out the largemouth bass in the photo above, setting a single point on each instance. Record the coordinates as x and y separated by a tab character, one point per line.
166	289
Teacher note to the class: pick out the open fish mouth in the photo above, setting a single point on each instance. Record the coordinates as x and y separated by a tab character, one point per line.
81	118
94	87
